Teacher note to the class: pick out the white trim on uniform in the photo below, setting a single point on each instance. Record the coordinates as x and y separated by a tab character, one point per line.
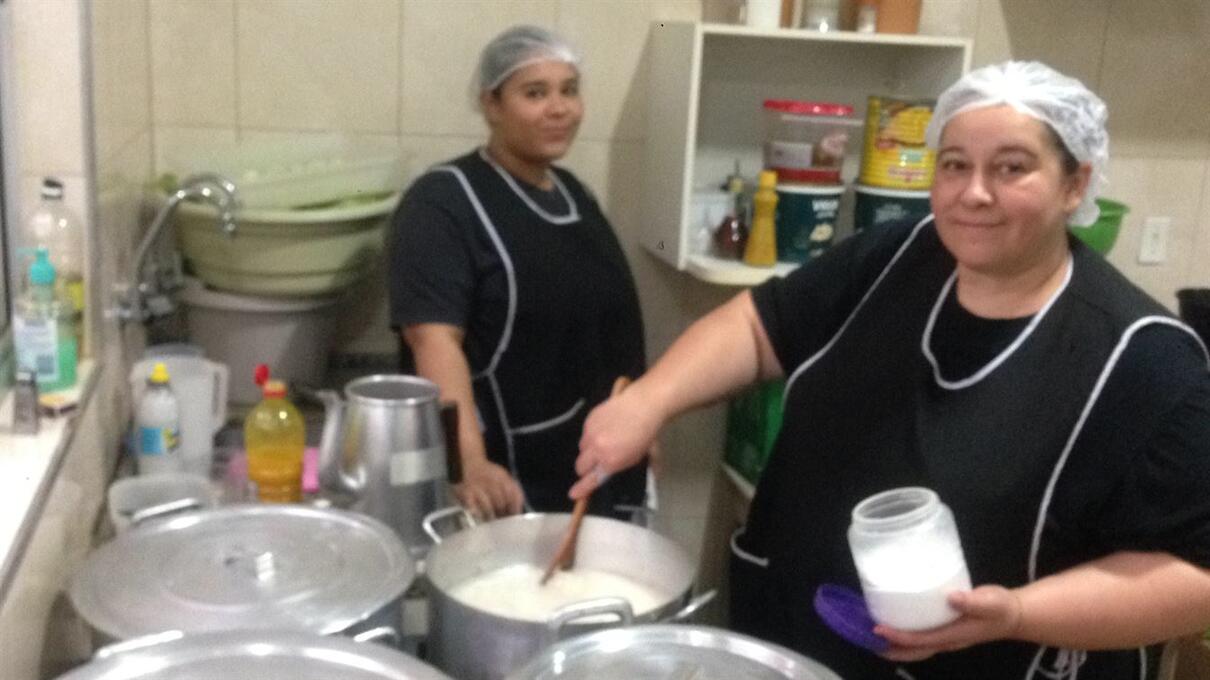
744	554
927	337
551	422
506	334
1048	495
573	210
815	357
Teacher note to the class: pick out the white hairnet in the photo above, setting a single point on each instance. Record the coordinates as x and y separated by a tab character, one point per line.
1070	109
518	47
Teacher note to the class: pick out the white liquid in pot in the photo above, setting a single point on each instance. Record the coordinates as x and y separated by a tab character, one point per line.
514	591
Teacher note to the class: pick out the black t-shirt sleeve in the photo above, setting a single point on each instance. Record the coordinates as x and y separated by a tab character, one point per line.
1160	499
431	258
802	311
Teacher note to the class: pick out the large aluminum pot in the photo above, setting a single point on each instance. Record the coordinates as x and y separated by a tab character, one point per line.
247	567
382	452
659	651
262	655
471	643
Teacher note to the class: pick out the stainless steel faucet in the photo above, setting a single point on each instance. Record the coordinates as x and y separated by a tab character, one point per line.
141	299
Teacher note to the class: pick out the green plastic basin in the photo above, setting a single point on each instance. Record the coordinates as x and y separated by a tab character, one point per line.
1101	235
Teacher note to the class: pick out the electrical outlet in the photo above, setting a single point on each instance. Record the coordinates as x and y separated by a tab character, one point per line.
1153	246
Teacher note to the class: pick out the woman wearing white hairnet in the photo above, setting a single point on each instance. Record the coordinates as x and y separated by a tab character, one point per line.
987	354
510	289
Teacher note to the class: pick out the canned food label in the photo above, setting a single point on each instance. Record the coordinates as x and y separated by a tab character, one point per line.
895	155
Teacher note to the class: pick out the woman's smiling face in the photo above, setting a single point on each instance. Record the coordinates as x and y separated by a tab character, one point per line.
1001	196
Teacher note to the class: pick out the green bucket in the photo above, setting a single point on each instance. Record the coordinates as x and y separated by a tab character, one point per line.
1101	235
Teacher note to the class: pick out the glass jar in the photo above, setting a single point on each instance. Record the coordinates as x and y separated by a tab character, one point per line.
906	548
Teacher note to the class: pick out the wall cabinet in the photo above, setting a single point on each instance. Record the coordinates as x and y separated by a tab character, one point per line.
707	86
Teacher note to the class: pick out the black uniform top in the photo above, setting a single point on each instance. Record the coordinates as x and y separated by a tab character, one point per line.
866	410
541	288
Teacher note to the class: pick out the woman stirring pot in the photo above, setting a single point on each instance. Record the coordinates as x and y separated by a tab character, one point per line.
988	355
511	290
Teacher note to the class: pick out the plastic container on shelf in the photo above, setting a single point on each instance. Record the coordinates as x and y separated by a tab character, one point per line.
898	16
274	439
157	425
806	220
875	207
894	155
821	15
805	141
44	328
909	558
295	335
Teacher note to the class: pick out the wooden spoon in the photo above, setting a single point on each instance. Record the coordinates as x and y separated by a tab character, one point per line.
565	556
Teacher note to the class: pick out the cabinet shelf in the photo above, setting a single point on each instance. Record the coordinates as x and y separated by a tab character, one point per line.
732	272
707	85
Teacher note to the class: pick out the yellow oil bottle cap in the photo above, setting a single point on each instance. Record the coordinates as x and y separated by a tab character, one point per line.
768	179
159	374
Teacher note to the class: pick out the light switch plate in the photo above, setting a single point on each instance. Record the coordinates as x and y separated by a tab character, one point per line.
1153	245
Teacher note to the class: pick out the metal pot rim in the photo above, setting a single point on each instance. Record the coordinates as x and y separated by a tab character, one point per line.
788	663
352	395
135	658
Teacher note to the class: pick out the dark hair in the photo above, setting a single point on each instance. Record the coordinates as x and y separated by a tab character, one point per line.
1068	160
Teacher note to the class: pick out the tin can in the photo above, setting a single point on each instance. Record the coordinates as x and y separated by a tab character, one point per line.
894	155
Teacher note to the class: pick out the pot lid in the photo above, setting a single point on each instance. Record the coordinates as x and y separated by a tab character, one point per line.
264	655
243	566
670	651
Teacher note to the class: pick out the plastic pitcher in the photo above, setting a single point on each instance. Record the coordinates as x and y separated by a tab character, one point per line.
201	390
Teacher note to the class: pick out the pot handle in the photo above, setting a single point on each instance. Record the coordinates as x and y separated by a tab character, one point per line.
693	607
377	634
430	521
137	643
565	616
165	509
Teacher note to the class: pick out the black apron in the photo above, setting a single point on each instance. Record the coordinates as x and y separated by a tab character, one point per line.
573	326
867	413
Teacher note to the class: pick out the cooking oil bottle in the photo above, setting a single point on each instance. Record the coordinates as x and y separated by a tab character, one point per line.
274	437
761	249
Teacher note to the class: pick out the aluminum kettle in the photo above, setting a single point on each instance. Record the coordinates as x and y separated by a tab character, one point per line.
383	452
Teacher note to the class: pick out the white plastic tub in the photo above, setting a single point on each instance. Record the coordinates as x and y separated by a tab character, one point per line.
292	335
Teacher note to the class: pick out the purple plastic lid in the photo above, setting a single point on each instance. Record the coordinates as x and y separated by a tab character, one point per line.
846	614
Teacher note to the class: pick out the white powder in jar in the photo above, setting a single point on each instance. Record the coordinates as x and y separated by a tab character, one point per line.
906	583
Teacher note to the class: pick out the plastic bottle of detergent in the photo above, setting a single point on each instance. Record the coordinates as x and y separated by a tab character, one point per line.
275	437
761	249
52	226
43	332
158	425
